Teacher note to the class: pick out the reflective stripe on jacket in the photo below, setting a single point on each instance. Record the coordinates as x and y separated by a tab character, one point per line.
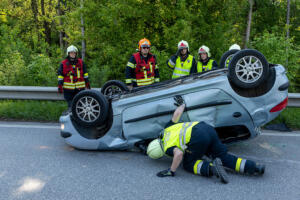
182	68
73	76
178	135
144	72
208	66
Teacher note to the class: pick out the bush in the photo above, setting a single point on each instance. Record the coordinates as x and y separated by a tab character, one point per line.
41	71
11	69
278	50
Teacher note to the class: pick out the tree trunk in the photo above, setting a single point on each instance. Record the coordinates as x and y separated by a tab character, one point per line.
251	2
34	8
47	30
61	35
82	32
287	31
288	20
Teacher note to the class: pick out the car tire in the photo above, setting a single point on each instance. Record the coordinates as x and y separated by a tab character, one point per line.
248	68
226	57
89	108
113	87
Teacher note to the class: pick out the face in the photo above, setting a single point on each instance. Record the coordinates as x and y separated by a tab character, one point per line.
145	50
183	51
203	56
72	54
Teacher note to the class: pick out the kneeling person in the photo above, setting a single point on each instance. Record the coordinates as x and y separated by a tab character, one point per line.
189	142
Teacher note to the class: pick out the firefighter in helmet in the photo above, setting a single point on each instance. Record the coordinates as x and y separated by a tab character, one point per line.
72	75
188	142
142	68
182	62
205	61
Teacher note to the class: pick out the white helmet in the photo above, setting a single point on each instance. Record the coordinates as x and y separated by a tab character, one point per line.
183	44
71	48
204	49
235	46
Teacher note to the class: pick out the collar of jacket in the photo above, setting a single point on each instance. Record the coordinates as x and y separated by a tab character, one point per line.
184	58
71	61
204	62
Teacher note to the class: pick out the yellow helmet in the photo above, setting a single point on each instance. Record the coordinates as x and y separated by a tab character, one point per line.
155	150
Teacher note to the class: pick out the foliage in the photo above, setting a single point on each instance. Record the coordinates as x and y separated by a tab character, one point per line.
278	50
30	33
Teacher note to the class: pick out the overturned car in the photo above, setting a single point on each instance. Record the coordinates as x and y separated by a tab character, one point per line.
237	101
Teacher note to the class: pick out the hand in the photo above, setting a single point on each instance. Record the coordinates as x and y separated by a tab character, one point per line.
178	100
165	173
87	86
60	89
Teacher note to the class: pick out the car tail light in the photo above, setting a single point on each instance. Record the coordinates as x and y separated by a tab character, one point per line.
280	106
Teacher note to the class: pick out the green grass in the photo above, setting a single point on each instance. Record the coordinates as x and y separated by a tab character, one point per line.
290	116
51	110
30	110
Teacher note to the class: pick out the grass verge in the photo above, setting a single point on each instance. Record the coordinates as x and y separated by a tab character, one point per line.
33	110
290	116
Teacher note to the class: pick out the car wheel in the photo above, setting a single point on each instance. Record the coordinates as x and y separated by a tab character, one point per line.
248	68
89	108
113	87
226	57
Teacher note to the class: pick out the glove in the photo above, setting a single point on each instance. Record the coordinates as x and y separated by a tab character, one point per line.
60	89
178	100
87	85
165	173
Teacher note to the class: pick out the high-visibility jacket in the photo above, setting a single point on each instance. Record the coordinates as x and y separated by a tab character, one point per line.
142	72
73	76
178	135
208	66
182	68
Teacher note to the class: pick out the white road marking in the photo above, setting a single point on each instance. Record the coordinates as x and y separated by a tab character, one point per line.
282	134
29	126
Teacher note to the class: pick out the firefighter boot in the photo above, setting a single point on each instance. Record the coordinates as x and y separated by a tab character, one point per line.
260	169
219	171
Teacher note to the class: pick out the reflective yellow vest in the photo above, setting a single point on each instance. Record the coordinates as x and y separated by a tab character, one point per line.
178	135
182	68
207	67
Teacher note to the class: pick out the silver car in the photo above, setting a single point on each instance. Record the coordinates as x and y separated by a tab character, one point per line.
237	101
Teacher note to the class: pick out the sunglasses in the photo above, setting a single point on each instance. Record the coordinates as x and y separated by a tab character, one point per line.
145	47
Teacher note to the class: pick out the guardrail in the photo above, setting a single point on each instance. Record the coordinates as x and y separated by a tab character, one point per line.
31	93
50	93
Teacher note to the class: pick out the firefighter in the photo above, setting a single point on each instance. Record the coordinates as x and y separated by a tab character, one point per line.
205	61
189	142
142	67
182	62
232	47
72	75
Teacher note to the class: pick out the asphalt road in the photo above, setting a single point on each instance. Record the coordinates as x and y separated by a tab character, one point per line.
36	164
